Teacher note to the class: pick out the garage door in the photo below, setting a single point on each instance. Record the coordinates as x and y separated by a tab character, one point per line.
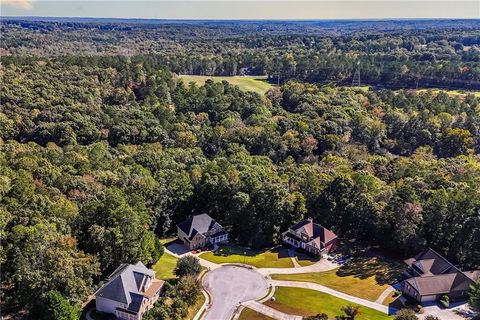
429	298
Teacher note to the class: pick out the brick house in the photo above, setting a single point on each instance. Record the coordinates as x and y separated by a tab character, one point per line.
129	292
311	237
201	230
431	276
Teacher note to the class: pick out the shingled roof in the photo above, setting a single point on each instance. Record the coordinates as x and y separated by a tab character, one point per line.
437	274
201	223
318	234
125	285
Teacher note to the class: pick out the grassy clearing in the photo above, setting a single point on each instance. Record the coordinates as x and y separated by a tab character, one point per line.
306	302
249	314
255	84
164	267
274	258
450	92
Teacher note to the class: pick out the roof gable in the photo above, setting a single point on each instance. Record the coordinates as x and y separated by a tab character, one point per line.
126	282
201	223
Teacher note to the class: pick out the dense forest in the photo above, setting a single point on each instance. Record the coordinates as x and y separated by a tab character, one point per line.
391	54
101	155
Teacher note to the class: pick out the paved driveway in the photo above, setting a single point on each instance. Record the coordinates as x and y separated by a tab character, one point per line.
229	286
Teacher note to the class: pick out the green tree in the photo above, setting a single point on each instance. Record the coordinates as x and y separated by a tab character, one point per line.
188	266
474	294
57	307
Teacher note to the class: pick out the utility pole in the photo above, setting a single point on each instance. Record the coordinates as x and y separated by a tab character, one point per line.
356	77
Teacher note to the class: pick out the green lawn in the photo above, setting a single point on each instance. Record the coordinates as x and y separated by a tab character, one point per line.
364	277
366	288
306	302
164	267
274	258
249	314
256	84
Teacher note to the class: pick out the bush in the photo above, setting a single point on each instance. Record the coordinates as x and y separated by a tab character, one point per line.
406	314
445	301
430	317
320	316
188	266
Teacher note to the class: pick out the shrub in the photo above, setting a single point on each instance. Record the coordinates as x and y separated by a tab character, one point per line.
445	301
430	317
406	314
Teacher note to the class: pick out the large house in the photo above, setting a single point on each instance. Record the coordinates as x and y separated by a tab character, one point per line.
310	237
432	276
129	292
201	230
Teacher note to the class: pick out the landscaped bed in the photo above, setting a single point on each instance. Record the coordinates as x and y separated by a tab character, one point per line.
274	258
306	302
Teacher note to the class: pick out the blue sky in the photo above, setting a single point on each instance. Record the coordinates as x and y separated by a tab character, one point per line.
247	9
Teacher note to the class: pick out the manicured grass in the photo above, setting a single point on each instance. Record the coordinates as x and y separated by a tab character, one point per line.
364	277
363	288
306	302
249	314
274	258
164	267
256	84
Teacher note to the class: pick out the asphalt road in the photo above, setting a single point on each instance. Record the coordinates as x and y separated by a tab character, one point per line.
229	286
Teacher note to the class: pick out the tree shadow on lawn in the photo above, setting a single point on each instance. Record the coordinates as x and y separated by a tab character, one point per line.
366	263
229	250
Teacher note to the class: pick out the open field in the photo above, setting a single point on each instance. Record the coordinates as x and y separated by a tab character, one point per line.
246	83
274	258
164	267
305	302
249	314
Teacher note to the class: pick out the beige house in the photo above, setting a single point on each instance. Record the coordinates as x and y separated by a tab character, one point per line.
129	292
201	230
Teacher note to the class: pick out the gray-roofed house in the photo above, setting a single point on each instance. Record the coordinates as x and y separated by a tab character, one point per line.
311	237
432	276
129	292
201	230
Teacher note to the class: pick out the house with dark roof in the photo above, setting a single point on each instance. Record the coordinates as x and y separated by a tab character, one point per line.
201	230
129	292
311	237
431	276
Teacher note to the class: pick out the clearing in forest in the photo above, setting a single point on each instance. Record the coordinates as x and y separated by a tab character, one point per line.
258	84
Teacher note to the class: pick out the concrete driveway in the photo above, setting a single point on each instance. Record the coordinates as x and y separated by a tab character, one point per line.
229	286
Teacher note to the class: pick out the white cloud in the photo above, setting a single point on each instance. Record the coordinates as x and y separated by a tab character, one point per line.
21	4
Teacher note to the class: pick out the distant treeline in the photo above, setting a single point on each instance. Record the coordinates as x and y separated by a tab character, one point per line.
432	54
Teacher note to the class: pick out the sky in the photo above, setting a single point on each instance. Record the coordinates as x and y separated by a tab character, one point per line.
245	9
